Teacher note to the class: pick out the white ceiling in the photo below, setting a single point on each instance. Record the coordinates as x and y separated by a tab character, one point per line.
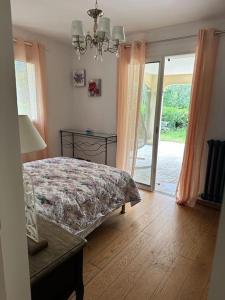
53	17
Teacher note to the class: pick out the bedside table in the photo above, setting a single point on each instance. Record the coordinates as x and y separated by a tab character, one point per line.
57	271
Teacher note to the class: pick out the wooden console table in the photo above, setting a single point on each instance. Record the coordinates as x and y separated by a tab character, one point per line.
57	271
77	141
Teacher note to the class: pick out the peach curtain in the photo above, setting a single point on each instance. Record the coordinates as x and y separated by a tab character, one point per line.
189	183
35	53
130	78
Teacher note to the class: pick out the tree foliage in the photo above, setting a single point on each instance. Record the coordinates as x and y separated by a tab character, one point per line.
176	99
177	95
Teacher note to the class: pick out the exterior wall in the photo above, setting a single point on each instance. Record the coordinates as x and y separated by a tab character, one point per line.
177	79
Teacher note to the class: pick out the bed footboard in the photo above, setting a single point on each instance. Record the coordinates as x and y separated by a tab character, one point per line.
123	209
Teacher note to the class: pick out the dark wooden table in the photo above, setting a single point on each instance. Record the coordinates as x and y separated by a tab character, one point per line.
57	271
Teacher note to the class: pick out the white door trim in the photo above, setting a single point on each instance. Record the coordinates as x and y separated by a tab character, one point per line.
157	123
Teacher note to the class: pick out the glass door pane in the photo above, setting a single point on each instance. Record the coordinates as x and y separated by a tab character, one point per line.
178	72
143	161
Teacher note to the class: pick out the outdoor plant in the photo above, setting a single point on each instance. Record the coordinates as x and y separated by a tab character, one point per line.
175	117
176	99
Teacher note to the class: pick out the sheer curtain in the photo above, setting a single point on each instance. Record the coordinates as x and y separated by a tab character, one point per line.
189	182
130	78
31	88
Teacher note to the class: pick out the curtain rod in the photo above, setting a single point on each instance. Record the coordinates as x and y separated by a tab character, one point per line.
153	42
128	45
25	43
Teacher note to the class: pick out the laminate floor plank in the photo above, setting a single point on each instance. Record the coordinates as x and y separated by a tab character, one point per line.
89	271
155	260
126	236
147	250
157	250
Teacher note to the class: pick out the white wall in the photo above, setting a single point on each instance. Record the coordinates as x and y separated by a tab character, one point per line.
60	98
97	113
14	254
216	123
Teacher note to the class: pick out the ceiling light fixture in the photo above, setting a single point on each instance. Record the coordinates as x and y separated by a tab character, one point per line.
102	39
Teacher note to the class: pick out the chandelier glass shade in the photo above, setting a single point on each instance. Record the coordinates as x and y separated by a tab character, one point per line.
103	40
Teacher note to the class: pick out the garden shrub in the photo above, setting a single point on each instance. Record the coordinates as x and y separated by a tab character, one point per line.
175	117
176	100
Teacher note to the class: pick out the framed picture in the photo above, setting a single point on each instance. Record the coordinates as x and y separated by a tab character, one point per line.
94	88
79	78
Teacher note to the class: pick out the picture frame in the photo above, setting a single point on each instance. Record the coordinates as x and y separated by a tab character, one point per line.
95	88
79	78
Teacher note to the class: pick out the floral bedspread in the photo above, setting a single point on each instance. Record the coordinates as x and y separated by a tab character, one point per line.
76	194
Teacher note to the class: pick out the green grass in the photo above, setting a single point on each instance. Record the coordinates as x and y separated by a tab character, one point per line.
174	135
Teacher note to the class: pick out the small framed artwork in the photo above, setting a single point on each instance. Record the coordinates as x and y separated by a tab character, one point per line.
94	88
79	78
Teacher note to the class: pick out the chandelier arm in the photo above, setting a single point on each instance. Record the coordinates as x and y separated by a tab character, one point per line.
106	42
80	49
114	48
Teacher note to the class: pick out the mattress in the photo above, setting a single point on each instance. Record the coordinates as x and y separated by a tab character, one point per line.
78	195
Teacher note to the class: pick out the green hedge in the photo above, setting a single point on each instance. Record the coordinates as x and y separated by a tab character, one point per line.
175	117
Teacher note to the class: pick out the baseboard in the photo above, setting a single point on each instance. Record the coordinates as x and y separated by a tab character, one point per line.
209	203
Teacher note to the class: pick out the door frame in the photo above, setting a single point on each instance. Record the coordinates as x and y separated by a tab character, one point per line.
158	113
157	122
151	186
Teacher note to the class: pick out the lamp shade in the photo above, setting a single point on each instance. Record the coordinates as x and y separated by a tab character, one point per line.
118	33
104	26
30	139
77	28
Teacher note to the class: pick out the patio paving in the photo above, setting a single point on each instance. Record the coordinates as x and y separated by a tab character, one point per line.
170	155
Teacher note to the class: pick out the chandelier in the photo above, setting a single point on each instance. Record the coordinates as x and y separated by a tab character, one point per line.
102	39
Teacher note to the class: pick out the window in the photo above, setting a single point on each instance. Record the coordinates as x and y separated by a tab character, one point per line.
26	89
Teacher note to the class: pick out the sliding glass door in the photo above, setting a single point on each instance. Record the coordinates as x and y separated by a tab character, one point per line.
146	137
177	82
163	122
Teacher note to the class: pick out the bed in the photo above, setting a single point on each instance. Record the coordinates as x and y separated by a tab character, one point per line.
79	195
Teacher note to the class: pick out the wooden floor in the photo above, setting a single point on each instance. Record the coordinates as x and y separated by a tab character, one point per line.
157	250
